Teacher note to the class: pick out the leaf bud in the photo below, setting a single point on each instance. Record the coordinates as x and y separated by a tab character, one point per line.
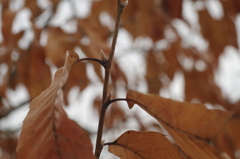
124	4
103	56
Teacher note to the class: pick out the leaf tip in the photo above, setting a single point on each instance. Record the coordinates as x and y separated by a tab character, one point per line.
71	58
131	96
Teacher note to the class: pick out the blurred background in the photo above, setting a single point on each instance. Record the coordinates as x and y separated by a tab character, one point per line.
187	50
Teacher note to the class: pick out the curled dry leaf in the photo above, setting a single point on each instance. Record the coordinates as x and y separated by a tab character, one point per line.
191	118
144	145
191	125
47	132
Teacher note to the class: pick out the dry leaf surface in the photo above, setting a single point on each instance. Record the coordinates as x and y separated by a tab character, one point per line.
144	145
47	132
191	118
191	125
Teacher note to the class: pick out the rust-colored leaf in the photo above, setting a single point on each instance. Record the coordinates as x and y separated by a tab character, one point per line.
194	147
58	42
32	70
219	33
144	145
152	75
191	125
77	77
47	132
201	85
229	140
8	145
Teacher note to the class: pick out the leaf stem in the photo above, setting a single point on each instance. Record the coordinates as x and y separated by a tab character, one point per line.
92	59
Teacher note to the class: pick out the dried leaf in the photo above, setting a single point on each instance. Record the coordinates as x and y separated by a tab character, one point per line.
172	8
188	123
141	11
57	44
191	118
31	69
77	77
153	71
172	63
194	147
47	132
8	145
219	33
231	7
201	85
143	145
229	140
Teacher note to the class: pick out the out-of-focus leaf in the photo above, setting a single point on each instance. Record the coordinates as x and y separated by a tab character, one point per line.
8	146
229	140
32	70
143	145
34	8
172	63
47	132
97	40
113	115
141	11
77	77
219	33
153	71
231	7
172	8
57	43
118	75
201	85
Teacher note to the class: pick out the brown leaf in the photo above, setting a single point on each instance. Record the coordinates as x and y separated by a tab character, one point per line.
31	69
193	147
143	145
57	44
201	85
231	7
219	33
8	145
188	123
191	118
146	12
229	139
152	75
77	77
172	8
47	132
172	63
35	9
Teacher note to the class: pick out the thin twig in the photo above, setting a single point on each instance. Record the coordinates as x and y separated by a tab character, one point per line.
114	41
101	121
120	9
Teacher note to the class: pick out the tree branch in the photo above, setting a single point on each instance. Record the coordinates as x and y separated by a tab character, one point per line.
105	100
